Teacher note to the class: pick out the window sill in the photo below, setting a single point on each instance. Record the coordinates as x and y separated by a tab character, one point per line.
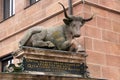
31	4
7	18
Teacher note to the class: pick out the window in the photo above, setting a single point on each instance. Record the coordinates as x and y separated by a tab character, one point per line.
6	60
33	1
30	2
8	8
1	10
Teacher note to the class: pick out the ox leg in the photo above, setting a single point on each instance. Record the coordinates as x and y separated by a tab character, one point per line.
73	48
43	44
76	48
37	40
66	45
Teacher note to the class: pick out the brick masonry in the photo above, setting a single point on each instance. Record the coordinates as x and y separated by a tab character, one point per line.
101	35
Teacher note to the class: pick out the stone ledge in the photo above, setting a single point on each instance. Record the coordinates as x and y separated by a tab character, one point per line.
25	76
51	55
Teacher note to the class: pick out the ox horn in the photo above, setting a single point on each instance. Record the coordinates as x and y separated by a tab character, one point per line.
86	20
65	13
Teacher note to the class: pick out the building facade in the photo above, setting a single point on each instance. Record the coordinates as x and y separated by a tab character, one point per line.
100	37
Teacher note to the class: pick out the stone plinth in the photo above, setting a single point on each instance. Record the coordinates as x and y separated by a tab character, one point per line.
46	64
51	55
52	62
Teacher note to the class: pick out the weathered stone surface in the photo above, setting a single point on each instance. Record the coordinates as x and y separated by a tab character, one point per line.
38	54
54	62
23	76
52	55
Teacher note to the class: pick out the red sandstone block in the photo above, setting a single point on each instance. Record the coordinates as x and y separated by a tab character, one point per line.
19	36
104	23
78	10
7	49
116	26
19	26
105	2
113	4
44	4
74	1
58	23
52	9
95	70
1	45
113	16
50	22
93	22
20	5
113	60
60	17
25	23
94	1
96	58
32	9
1	50
110	36
2	34
6	24
88	43
115	49
10	30
92	32
101	46
9	41
1	27
81	9
119	38
19	17
38	16
22	20
55	7
15	46
110	73
65	2
87	8
82	30
99	12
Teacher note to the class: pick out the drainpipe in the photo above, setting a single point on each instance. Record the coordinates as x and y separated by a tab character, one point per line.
70	9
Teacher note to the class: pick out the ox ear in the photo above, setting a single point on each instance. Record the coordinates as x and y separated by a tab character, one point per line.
67	21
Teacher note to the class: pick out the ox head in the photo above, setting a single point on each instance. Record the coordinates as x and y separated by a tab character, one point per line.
74	23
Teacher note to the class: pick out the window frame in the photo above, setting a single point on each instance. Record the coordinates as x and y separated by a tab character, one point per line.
29	4
8	9
6	60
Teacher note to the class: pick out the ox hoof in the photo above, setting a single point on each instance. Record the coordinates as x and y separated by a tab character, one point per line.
50	44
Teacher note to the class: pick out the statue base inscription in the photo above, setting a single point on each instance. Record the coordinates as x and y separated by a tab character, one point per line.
53	66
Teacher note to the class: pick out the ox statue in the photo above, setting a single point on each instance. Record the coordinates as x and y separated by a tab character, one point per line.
59	37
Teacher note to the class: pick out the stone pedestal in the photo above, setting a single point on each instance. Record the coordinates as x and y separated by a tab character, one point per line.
46	64
52	62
